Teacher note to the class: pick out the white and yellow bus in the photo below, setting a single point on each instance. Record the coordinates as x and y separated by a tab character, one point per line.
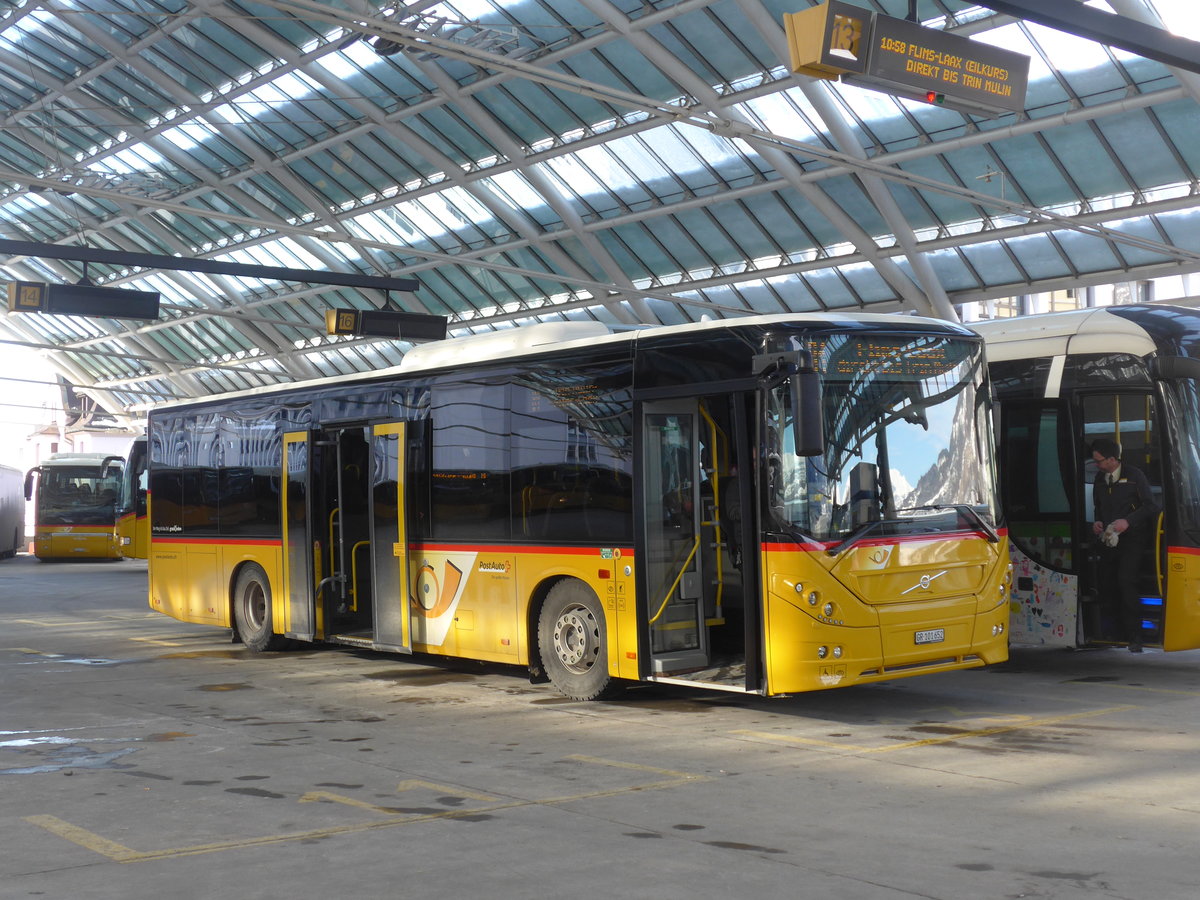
765	505
75	506
1061	380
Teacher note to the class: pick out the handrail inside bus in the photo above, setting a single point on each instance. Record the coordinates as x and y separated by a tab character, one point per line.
354	574
678	578
332	543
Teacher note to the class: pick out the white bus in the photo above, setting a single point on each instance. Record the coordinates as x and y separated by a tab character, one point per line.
12	511
1061	380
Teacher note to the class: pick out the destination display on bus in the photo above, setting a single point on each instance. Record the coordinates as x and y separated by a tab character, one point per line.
903	358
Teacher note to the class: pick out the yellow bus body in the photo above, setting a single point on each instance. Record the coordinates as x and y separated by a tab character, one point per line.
878	608
75	542
477	603
133	535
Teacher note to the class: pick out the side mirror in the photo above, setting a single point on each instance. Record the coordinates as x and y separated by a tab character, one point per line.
804	382
808	420
29	483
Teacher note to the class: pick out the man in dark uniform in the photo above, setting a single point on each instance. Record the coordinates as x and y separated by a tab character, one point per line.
1125	512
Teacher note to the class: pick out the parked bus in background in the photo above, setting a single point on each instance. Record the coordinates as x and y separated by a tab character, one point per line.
75	506
12	512
763	505
133	523
1061	380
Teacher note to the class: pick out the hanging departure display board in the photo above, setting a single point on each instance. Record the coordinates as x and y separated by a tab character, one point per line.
837	40
926	59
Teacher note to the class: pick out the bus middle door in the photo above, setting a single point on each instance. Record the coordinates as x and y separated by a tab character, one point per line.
389	536
299	554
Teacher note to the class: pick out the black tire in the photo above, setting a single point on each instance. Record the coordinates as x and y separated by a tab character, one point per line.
573	642
252	611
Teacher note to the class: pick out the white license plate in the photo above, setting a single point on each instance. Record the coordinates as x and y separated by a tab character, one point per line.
932	636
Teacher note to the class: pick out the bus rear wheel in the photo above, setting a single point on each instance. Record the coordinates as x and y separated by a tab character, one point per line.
573	642
252	611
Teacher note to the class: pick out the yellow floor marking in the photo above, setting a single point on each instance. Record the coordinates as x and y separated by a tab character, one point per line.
119	853
45	624
28	650
411	784
84	838
1025	723
158	642
330	797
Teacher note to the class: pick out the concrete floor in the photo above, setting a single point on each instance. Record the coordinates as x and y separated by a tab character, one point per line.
141	757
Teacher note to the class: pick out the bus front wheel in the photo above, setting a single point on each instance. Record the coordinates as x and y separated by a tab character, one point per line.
252	611
573	642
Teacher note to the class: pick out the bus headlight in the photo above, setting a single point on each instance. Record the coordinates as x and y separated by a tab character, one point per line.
828	609
814	598
822	652
837	652
997	630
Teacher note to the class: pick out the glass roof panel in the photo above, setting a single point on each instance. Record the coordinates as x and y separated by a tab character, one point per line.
1141	150
267	135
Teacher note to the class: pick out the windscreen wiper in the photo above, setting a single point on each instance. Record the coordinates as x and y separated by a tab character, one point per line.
855	536
963	510
969	513
987	529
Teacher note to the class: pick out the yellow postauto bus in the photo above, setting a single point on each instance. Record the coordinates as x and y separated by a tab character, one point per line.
133	522
764	505
75	506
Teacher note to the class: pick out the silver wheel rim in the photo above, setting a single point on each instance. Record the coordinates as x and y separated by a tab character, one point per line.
577	638
254	602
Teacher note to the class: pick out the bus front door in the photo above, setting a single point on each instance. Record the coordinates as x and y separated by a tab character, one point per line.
1131	419
300	555
675	559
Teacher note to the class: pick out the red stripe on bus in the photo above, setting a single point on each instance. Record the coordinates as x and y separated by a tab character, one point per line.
236	542
515	548
433	548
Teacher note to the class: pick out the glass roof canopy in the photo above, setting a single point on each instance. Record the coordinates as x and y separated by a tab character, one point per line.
628	162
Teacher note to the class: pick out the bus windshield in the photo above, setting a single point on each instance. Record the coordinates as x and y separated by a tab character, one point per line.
77	495
907	442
